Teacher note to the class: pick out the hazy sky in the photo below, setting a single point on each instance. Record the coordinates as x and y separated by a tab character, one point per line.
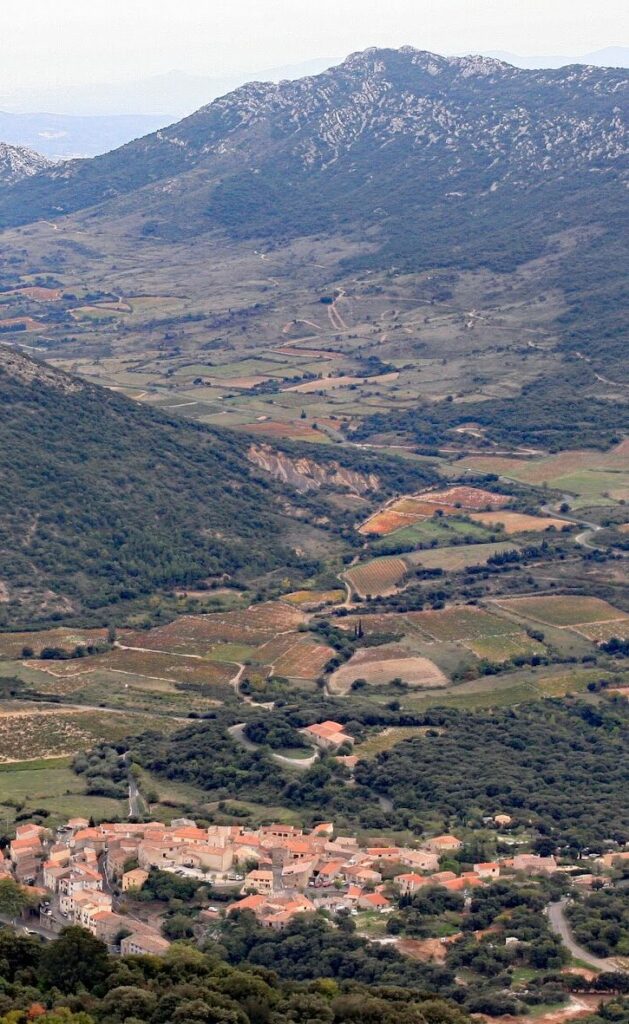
62	41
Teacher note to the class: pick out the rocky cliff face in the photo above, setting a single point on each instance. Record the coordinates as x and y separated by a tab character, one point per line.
306	475
18	162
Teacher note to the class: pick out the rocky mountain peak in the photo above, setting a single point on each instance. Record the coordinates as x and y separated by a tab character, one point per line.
18	162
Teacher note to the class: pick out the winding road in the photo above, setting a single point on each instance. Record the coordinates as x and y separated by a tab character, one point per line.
559	925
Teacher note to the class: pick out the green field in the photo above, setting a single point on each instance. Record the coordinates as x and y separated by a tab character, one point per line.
459	557
51	785
432	532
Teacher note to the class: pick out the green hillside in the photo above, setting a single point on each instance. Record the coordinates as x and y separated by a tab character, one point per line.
103	500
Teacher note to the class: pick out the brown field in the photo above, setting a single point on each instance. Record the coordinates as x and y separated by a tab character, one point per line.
304	660
332	383
387	521
195	634
40	294
466	622
413	508
274	649
518	522
272	429
380	665
378	577
11	644
469	497
164	666
304	598
459	556
563	610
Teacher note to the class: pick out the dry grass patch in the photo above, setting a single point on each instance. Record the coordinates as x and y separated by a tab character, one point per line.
306	598
389	738
518	522
458	557
47	732
11	644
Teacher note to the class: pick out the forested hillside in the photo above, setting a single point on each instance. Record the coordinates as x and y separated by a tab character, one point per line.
104	500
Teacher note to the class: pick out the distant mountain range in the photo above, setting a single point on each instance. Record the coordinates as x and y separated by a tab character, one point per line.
63	136
169	96
88	120
387	137
434	161
610	57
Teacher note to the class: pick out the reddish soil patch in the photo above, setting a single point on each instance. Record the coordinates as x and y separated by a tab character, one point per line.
469	497
423	949
41	294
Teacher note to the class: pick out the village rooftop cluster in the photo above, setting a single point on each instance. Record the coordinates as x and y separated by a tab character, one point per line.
77	872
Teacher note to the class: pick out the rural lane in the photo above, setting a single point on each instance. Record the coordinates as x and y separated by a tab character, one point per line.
559	925
237	732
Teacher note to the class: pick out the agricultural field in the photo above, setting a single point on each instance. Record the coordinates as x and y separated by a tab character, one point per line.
12	644
197	634
388	738
510	689
303	660
460	556
467	622
413	509
563	610
593	477
518	522
601	632
50	784
502	648
378	577
166	667
437	532
314	598
472	498
380	665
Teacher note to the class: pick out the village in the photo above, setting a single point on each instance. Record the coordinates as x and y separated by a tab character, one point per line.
86	874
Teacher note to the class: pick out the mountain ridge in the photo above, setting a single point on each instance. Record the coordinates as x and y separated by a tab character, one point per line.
438	103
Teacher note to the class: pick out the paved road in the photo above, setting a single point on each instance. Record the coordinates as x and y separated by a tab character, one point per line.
238	733
559	925
23	927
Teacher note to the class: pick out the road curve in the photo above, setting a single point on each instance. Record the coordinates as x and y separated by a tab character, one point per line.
559	925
